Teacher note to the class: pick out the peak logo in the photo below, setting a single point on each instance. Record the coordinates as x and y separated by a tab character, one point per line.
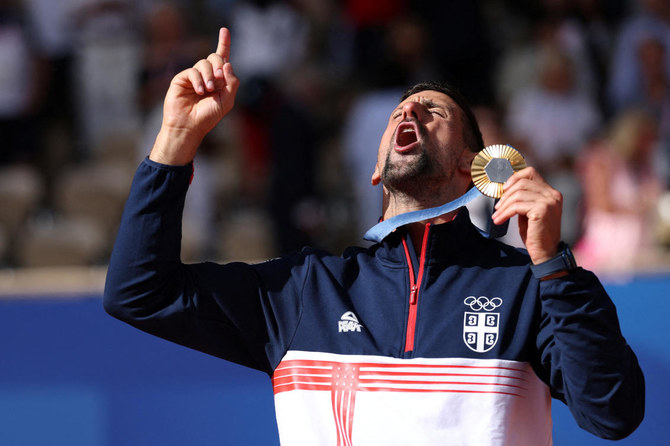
348	322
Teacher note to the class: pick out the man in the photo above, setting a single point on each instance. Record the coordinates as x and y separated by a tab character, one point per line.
435	335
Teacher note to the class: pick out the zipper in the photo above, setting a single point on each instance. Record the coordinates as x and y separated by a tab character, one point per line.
414	289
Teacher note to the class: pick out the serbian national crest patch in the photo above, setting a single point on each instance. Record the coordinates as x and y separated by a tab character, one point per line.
480	326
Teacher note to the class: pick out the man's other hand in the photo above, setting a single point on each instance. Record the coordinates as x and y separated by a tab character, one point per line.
198	98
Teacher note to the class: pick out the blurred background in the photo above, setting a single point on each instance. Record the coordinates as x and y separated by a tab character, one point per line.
580	87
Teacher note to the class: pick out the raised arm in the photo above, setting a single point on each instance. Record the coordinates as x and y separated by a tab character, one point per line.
204	306
198	98
583	355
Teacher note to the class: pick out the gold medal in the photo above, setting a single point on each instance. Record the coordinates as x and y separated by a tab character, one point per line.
493	166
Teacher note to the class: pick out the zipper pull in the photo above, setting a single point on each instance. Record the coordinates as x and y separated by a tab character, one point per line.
412	295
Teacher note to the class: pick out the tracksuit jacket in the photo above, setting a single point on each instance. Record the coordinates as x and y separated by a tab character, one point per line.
457	344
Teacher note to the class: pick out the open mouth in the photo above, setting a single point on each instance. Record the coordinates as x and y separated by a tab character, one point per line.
406	135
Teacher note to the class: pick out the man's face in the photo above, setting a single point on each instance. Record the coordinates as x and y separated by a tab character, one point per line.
422	147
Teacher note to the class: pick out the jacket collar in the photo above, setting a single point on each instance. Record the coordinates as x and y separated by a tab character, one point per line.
443	239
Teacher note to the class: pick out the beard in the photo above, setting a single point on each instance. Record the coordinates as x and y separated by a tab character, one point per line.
413	175
401	176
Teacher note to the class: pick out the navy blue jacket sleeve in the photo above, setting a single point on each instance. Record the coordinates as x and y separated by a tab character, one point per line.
585	358
229	311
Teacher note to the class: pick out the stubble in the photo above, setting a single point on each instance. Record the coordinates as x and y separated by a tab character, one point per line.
415	174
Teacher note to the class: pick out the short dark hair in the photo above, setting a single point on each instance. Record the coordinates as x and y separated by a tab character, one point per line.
471	133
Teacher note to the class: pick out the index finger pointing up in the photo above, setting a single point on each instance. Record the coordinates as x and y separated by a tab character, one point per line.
223	48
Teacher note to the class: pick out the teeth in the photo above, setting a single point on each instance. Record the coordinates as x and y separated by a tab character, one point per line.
408	131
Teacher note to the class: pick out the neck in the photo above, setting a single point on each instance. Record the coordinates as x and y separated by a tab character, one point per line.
431	195
396	204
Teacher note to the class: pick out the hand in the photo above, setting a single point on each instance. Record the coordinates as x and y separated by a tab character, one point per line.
539	207
198	98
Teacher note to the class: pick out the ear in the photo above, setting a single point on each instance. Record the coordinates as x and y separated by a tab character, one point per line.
376	176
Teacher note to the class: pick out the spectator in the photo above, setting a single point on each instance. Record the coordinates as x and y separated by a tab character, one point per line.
553	29
656	96
272	38
655	88
549	121
18	89
107	63
597	21
620	193
627	83
279	142
20	98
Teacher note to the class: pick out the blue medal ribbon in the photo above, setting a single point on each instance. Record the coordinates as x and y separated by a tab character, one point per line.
384	228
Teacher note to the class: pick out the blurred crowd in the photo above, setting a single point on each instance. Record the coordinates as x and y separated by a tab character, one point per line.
580	87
